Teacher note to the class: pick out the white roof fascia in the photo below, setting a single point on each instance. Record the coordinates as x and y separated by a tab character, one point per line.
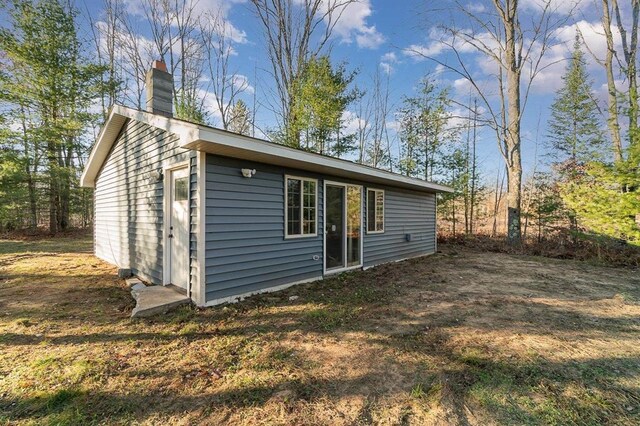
224	143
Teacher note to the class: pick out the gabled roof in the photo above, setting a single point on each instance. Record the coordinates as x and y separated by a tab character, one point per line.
221	142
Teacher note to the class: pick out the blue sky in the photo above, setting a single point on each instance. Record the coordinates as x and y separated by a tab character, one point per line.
384	35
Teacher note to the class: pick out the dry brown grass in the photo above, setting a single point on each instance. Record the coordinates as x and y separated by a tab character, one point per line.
463	337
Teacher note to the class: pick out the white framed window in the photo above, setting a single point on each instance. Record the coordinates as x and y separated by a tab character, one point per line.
301	207
375	211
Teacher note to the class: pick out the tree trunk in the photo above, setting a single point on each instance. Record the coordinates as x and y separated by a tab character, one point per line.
629	48
467	166
53	192
33	206
473	166
514	195
496	204
512	140
453	214
612	119
31	187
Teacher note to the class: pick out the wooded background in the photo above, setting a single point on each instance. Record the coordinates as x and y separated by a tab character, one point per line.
56	87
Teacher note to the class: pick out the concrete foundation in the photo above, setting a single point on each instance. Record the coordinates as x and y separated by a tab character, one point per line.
155	299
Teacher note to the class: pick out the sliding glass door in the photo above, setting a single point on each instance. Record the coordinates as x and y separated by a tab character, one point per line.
343	226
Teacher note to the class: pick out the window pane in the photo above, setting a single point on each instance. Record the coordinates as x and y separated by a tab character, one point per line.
371	211
181	189
293	206
354	214
379	211
301	207
375	210
309	188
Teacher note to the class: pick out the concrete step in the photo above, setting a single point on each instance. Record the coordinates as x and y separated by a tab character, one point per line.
155	299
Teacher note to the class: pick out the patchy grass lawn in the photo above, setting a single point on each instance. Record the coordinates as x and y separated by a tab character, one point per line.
462	337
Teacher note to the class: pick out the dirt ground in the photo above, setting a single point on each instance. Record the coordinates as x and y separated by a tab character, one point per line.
461	337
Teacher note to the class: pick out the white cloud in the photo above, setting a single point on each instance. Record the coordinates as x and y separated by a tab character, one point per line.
351	121
555	59
439	70
352	25
386	67
420	52
462	85
475	7
390	57
440	41
393	125
241	82
369	37
201	8
556	6
209	104
387	61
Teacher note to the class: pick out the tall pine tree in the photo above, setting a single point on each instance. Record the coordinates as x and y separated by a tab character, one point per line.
322	94
240	118
574	128
601	197
423	129
47	89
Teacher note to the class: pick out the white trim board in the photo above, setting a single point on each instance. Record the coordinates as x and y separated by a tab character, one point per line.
384	208
344	185
200	289
166	212
286	207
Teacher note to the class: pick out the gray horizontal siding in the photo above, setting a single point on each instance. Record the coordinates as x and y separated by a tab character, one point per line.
128	205
405	213
245	246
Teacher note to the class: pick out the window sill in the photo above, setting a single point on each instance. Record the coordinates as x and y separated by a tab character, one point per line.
297	237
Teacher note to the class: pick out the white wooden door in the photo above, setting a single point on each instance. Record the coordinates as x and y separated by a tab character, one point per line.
179	228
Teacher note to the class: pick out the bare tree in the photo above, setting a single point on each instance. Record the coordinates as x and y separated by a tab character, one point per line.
471	190
294	31
173	25
187	58
613	122
156	12
630	50
499	35
106	41
137	57
497	201
364	111
225	83
628	69
378	149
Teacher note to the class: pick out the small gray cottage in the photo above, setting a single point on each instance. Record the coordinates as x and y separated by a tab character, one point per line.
223	216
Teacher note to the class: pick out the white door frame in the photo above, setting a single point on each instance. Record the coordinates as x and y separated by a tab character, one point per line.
166	220
344	227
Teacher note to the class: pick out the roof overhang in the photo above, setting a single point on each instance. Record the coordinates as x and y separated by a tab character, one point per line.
118	116
228	144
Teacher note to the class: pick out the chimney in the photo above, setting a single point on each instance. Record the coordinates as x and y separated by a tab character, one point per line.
159	89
